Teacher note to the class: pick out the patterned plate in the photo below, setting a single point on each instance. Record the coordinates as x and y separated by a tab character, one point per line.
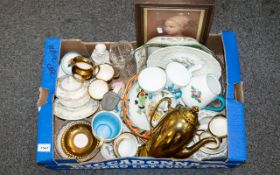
188	56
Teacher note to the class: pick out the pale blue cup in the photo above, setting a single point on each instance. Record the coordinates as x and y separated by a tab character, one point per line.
106	125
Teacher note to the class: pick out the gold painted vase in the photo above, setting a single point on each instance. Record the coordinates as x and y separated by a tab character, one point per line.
171	135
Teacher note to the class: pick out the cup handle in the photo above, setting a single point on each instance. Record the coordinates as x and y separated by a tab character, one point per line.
177	93
195	67
171	86
217	109
153	111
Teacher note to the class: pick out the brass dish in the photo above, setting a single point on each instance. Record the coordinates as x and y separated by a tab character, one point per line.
85	152
81	73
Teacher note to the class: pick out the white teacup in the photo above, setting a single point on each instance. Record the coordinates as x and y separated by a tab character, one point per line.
218	126
105	72
178	76
98	88
152	80
201	91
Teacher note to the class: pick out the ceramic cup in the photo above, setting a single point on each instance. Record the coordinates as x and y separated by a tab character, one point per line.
126	145
218	126
67	62
152	80
106	125
201	91
98	88
178	76
105	72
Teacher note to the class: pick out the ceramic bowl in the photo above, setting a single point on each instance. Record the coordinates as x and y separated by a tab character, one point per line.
67	62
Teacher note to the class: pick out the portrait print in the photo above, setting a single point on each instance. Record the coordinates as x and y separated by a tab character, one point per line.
173	22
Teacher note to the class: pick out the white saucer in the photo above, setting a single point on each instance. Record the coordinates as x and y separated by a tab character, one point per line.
58	142
75	113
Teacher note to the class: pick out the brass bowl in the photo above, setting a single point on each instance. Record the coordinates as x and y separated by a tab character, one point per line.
82	152
83	73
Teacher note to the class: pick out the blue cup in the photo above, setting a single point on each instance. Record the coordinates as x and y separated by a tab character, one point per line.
106	125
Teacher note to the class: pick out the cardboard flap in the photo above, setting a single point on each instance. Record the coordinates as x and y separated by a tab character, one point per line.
232	62
234	105
236	132
74	45
239	92
45	144
43	97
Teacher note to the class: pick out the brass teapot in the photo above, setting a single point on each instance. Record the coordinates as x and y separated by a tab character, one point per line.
173	132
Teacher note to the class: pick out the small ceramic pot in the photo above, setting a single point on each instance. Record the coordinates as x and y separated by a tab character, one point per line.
126	145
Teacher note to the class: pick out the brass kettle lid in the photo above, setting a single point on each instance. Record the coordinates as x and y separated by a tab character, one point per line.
190	114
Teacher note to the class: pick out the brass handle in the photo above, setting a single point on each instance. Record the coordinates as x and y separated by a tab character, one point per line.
153	111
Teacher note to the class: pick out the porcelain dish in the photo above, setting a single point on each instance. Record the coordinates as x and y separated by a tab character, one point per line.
187	56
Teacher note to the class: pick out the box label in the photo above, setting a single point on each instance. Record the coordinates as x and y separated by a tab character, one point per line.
44	148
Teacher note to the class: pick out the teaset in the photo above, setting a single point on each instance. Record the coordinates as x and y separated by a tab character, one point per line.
140	103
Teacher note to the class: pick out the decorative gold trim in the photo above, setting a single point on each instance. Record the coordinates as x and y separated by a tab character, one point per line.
200	23
83	157
145	24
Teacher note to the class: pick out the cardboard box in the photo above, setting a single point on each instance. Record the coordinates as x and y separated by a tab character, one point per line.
224	45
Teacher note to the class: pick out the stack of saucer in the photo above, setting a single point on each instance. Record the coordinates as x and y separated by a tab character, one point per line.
73	101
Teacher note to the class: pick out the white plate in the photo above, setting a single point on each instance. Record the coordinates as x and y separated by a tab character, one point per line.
75	113
188	56
58	142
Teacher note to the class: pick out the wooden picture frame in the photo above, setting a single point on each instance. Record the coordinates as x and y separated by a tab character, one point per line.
191	18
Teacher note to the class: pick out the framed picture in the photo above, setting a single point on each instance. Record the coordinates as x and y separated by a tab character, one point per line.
173	18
